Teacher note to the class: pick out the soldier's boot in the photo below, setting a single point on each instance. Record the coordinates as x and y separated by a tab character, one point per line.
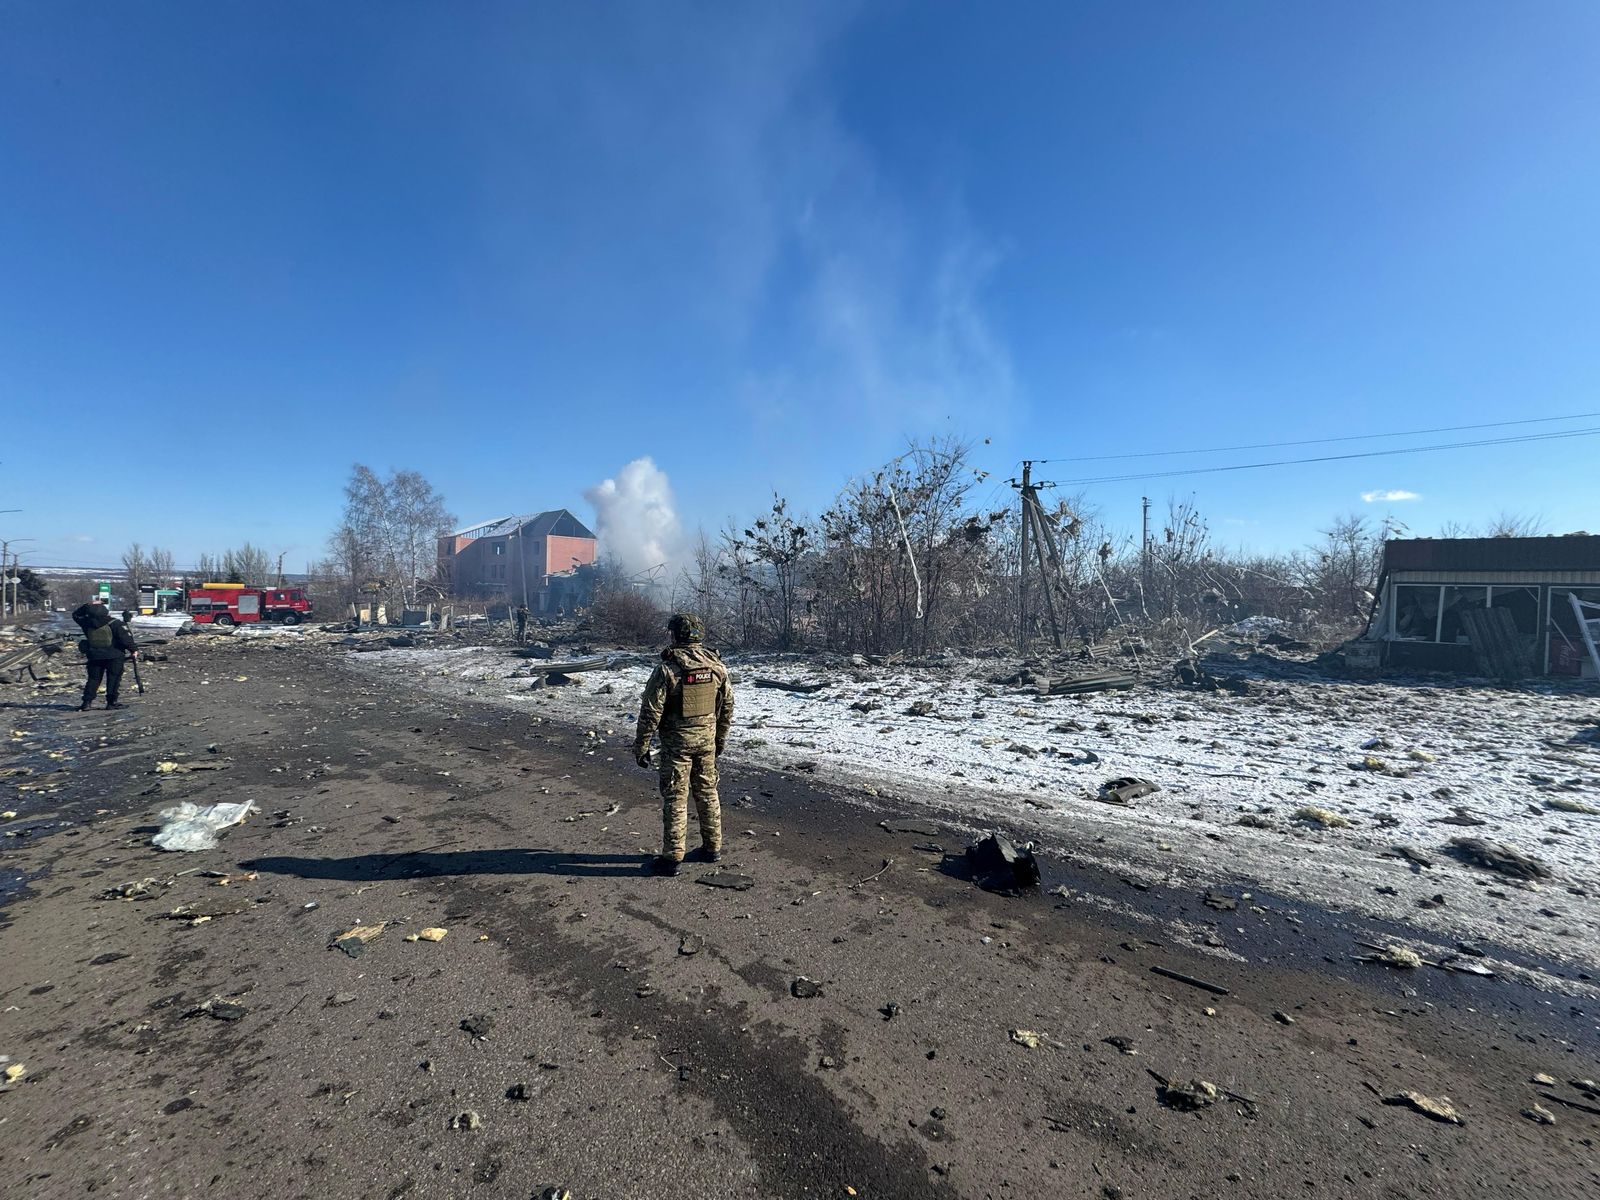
662	865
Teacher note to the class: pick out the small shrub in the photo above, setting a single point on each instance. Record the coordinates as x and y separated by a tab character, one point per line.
628	616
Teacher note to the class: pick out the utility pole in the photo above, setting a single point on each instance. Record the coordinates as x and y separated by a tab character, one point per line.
1144	549
1022	574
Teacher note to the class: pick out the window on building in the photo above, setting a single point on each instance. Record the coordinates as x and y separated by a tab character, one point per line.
499	548
1416	612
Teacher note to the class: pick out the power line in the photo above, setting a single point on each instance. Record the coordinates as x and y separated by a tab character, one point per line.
1288	462
1356	437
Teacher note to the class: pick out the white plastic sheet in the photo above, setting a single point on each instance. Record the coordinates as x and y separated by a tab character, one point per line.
195	827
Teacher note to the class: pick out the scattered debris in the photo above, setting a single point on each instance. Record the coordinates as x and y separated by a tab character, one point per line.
1215	989
193	827
1560	803
1437	1110
728	880
1110	681
184	768
1499	857
219	1010
805	989
15	1071
340	998
782	685
1126	789
431	934
1282	1018
1125	1045
478	1025
925	828
1196	1094
466	1120
1539	1114
354	941
1324	817
690	945
998	866
1414	856
1025	1037
1391	955
1220	902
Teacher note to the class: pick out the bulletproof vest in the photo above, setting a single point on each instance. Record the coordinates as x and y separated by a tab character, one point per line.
694	686
100	638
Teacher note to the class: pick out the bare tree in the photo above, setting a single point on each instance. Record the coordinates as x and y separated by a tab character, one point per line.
136	568
390	530
1515	525
160	566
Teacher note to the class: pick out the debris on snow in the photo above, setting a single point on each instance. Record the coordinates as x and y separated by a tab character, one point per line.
1497	856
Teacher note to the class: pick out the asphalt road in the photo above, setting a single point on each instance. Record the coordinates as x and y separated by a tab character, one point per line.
638	1037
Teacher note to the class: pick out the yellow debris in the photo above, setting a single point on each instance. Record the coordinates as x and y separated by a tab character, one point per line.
1025	1037
1327	818
15	1072
431	934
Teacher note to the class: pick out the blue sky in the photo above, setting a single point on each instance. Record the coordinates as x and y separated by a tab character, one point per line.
243	246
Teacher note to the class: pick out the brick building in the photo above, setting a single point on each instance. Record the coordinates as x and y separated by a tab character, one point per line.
541	561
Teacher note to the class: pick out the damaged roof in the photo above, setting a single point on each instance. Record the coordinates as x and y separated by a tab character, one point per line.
555	523
1572	552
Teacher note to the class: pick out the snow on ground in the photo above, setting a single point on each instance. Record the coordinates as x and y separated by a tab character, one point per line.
989	754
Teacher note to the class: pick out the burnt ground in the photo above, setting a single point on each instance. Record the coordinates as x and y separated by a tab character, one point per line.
641	1070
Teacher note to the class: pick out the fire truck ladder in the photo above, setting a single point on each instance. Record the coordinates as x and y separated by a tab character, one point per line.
1588	626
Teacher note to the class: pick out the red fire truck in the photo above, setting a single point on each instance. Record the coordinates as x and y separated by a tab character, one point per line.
234	603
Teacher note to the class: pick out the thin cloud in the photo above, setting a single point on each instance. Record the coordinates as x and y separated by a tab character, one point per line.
1389	494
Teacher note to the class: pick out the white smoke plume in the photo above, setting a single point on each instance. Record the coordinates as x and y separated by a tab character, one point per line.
635	519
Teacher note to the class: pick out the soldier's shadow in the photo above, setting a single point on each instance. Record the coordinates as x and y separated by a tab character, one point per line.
425	864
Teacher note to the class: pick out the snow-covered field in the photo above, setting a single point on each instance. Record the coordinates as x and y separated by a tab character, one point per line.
1394	760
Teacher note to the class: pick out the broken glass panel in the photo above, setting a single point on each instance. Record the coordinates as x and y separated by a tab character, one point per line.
1416	612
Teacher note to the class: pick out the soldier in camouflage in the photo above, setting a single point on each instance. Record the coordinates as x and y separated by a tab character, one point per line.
690	700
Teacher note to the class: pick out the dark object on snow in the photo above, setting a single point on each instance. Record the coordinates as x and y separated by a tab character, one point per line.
1216	989
1107	682
805	989
1413	856
925	828
805	689
478	1025
998	866
1497	856
1126	789
729	880
1192	675
1220	902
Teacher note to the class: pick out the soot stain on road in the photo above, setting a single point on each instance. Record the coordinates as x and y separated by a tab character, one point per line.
763	1086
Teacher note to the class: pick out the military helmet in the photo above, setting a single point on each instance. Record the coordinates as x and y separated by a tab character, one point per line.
686	628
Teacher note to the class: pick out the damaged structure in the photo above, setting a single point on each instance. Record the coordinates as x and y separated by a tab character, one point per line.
1462	604
542	561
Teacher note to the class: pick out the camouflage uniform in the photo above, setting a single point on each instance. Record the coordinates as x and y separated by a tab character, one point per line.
690	699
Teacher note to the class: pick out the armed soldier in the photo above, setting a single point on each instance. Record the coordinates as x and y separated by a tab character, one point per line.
105	640
690	699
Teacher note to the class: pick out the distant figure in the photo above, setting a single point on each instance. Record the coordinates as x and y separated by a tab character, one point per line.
522	622
690	699
105	642
127	618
